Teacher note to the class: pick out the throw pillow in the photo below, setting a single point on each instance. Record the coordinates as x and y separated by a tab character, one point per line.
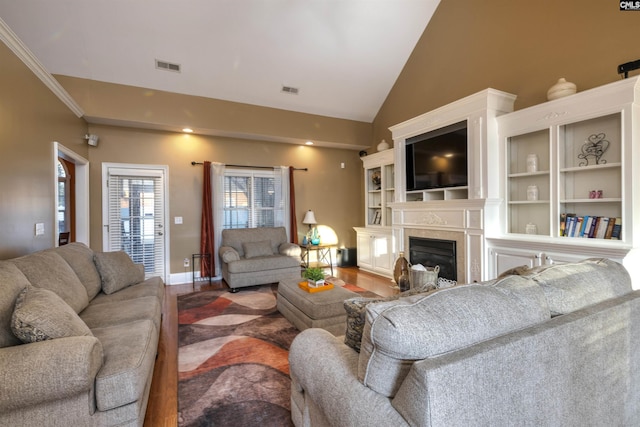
256	249
117	271
40	314
356	309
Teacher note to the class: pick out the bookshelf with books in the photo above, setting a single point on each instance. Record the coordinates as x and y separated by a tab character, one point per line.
592	227
568	177
377	233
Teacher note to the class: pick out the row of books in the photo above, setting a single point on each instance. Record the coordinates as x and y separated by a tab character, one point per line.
596	227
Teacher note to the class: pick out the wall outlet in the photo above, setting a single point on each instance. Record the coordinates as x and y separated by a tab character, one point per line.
40	229
186	262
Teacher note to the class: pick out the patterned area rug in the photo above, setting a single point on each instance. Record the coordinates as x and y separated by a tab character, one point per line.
233	367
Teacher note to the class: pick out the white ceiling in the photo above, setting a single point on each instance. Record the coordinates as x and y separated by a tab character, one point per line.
343	55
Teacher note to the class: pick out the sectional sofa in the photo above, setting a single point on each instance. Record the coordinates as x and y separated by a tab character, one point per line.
554	346
78	338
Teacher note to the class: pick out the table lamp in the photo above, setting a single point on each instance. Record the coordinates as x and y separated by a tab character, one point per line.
310	220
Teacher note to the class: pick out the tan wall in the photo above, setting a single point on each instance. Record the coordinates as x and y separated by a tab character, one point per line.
31	117
514	46
152	109
333	193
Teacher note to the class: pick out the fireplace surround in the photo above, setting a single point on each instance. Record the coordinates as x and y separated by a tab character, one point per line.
456	237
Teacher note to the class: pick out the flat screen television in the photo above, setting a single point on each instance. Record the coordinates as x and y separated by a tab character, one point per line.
437	159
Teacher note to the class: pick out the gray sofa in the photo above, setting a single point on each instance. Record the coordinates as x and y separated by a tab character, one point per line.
555	346
257	256
78	338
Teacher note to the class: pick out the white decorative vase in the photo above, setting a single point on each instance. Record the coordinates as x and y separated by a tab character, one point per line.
532	163
384	145
531	228
561	89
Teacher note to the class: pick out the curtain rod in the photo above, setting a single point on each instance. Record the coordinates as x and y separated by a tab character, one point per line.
250	167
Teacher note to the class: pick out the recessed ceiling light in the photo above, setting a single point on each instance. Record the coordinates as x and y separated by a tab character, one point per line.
309	143
187	130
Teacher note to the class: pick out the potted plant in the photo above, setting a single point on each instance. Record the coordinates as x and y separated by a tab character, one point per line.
314	276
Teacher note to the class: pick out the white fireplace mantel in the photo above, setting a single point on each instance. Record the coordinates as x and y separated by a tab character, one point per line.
463	221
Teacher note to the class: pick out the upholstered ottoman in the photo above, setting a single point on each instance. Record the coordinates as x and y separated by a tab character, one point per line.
314	310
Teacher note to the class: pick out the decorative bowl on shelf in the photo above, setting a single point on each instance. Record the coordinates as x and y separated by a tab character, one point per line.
384	145
561	89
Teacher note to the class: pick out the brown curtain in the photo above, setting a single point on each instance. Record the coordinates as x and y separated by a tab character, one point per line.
207	265
293	226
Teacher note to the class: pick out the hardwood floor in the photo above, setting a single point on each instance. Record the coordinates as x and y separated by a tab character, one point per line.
162	409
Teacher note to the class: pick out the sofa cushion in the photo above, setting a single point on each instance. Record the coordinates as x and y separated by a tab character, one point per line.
121	312
236	237
80	257
151	287
12	282
356	309
129	356
397	333
572	286
273	262
48	270
117	270
256	249
40	315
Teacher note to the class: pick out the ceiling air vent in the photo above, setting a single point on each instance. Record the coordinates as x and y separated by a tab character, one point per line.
289	89
164	65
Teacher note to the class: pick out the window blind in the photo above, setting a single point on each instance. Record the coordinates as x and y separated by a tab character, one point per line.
136	217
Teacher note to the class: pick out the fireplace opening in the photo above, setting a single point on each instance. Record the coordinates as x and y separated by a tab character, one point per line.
432	252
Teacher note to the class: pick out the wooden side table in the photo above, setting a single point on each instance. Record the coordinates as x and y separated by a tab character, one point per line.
323	256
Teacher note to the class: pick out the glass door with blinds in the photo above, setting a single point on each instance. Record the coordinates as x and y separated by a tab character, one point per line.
134	211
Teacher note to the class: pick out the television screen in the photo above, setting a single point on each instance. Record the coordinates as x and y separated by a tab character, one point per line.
437	159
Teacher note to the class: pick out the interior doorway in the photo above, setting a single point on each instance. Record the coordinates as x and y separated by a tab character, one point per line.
66	213
75	202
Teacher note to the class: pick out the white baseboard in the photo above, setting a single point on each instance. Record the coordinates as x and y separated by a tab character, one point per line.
185	277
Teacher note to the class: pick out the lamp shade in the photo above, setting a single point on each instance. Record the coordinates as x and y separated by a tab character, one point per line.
309	218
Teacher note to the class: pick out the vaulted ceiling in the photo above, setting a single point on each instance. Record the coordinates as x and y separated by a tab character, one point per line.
342	56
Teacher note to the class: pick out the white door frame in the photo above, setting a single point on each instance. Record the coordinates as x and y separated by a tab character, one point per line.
81	192
165	189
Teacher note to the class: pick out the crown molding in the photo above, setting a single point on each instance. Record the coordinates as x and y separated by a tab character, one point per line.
15	44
